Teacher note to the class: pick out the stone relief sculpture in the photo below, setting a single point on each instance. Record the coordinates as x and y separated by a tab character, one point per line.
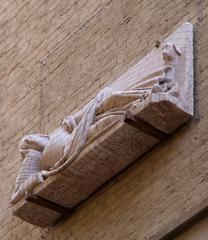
124	121
46	155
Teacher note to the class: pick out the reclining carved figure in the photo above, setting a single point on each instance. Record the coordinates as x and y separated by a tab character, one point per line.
46	155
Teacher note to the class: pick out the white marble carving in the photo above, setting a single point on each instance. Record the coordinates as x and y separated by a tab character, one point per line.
165	75
47	150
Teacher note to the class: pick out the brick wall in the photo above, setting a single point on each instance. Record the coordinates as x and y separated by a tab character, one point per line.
54	56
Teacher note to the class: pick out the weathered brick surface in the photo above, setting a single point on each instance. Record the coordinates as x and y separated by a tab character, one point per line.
54	56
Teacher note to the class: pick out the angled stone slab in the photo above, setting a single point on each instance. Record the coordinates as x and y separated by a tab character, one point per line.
143	127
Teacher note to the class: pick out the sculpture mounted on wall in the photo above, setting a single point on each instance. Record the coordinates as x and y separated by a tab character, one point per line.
45	155
124	121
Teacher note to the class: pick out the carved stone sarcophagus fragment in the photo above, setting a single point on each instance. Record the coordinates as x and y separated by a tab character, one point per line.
124	121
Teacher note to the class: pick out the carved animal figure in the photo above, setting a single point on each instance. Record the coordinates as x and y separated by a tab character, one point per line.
166	83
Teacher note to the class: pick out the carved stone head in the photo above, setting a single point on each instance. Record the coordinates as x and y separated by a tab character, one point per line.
34	141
